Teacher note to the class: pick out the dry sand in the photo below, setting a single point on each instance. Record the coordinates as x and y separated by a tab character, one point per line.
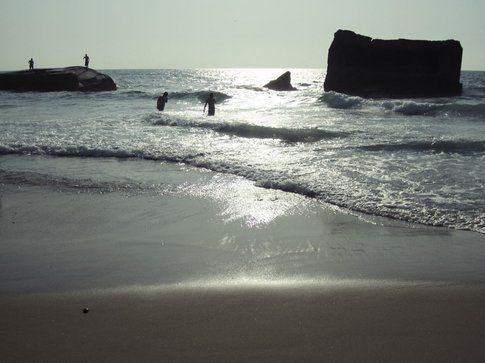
321	323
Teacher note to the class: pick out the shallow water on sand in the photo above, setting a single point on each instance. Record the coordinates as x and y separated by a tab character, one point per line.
141	223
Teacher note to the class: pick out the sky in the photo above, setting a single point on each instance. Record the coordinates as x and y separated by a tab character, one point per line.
131	34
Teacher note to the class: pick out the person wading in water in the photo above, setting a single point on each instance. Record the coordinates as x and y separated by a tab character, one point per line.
212	105
161	101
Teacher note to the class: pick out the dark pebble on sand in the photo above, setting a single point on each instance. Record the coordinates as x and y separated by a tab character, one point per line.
85	310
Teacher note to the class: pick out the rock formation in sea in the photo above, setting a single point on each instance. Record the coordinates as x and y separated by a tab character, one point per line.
360	65
56	79
282	83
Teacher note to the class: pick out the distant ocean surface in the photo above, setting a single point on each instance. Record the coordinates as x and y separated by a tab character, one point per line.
416	160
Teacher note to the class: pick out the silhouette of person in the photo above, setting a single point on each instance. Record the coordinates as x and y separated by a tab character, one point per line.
161	101
86	60
31	63
211	101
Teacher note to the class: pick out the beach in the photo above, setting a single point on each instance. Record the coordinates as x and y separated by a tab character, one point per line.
210	267
371	323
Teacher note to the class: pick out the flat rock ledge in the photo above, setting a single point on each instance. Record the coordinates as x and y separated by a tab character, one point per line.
56	79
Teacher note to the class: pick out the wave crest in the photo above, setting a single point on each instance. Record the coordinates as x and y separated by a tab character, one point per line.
405	107
254	131
437	146
411	108
93	152
467	109
340	100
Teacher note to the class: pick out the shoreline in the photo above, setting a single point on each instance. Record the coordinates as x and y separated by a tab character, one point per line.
197	225
56	241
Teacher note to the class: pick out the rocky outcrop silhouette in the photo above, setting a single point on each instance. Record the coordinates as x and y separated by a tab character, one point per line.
362	66
56	79
282	83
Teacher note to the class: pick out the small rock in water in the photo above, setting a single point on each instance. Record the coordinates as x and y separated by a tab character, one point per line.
85	310
282	83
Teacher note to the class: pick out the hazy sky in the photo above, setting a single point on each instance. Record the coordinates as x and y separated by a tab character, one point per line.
221	33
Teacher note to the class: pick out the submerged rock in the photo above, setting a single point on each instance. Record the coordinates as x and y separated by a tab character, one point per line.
282	83
56	79
360	65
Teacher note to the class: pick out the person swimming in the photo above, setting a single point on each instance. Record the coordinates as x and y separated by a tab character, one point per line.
161	101
212	105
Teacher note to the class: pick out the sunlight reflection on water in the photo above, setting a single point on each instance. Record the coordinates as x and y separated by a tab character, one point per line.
240	200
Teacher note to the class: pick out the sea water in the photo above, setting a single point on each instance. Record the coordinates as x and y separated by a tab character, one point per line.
416	160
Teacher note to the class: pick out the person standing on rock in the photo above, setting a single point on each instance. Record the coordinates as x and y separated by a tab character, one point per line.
211	101
86	61
31	63
161	101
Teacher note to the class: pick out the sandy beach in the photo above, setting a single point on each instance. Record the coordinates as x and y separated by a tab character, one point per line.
354	323
212	268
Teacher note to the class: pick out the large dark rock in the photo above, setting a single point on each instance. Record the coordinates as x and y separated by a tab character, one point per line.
282	83
359	65
56	79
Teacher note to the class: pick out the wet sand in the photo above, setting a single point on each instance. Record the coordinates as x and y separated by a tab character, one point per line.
57	240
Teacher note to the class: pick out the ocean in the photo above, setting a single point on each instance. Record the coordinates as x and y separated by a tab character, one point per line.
421	161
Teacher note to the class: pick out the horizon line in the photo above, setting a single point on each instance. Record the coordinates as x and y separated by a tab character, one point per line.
198	68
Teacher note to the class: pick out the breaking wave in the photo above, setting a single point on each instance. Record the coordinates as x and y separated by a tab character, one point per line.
437	146
93	152
255	131
340	100
404	107
412	108
467	109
